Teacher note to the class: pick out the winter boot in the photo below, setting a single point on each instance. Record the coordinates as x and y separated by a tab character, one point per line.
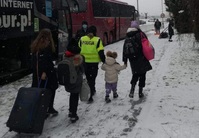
115	95
90	100
140	92
52	111
131	94
70	114
107	99
74	118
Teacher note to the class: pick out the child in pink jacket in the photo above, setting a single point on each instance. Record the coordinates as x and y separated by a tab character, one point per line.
112	69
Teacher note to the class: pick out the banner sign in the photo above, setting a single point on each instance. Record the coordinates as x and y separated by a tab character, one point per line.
16	18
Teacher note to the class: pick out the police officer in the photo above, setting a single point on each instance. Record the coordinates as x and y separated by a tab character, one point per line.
93	51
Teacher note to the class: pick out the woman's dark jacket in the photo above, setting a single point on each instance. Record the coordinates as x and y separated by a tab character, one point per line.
81	32
157	24
78	61
170	28
45	64
138	64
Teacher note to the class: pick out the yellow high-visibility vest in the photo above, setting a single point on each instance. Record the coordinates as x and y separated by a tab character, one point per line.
90	48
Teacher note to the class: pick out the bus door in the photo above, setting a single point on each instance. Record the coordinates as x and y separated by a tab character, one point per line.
63	31
65	24
117	28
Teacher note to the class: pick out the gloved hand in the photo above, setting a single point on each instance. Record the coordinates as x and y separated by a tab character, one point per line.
84	76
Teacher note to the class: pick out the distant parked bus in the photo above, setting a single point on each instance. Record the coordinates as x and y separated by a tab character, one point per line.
111	17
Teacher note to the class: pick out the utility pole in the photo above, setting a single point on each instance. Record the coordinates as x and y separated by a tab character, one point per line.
138	10
162	14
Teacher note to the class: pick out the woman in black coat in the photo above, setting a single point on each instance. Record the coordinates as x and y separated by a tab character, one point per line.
82	32
139	64
170	29
42	49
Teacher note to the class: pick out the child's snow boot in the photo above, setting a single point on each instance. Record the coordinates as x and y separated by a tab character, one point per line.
115	95
131	94
140	92
107	99
90	100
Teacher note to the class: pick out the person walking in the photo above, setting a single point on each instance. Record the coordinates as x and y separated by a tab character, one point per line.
73	54
157	26
93	51
139	64
112	69
83	31
42	50
170	29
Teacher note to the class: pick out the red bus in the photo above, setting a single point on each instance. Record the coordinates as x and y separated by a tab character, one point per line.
111	17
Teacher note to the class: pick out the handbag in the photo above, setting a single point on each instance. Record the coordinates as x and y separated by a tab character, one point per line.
85	91
147	48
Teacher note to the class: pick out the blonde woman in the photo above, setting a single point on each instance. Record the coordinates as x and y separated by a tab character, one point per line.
42	49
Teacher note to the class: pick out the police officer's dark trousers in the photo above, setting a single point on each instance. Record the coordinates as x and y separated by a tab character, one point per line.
91	71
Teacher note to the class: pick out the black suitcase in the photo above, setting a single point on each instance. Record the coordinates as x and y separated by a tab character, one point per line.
164	33
29	111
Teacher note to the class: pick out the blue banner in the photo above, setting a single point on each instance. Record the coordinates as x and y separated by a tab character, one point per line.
48	8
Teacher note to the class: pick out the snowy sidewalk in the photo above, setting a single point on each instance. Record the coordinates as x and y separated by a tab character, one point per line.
169	110
172	106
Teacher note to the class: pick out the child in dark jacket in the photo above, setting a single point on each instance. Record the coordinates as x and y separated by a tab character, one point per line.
112	69
72	53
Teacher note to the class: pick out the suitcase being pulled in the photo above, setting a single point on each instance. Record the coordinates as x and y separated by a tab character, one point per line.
164	33
29	111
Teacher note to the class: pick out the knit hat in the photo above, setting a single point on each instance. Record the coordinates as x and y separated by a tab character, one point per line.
92	29
111	54
84	22
73	46
134	24
114	55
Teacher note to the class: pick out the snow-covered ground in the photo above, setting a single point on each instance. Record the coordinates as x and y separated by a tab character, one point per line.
170	108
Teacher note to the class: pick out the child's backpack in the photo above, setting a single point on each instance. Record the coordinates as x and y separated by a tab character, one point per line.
130	48
67	73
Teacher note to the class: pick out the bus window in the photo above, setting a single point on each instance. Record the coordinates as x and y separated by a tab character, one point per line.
114	10
62	21
83	5
74	6
101	8
40	6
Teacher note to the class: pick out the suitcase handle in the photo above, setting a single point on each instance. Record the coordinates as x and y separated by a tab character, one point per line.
39	83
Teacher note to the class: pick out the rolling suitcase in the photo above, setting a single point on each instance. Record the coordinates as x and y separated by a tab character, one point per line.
164	33
29	111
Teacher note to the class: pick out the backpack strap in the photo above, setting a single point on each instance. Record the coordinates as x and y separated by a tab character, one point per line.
98	43
142	35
